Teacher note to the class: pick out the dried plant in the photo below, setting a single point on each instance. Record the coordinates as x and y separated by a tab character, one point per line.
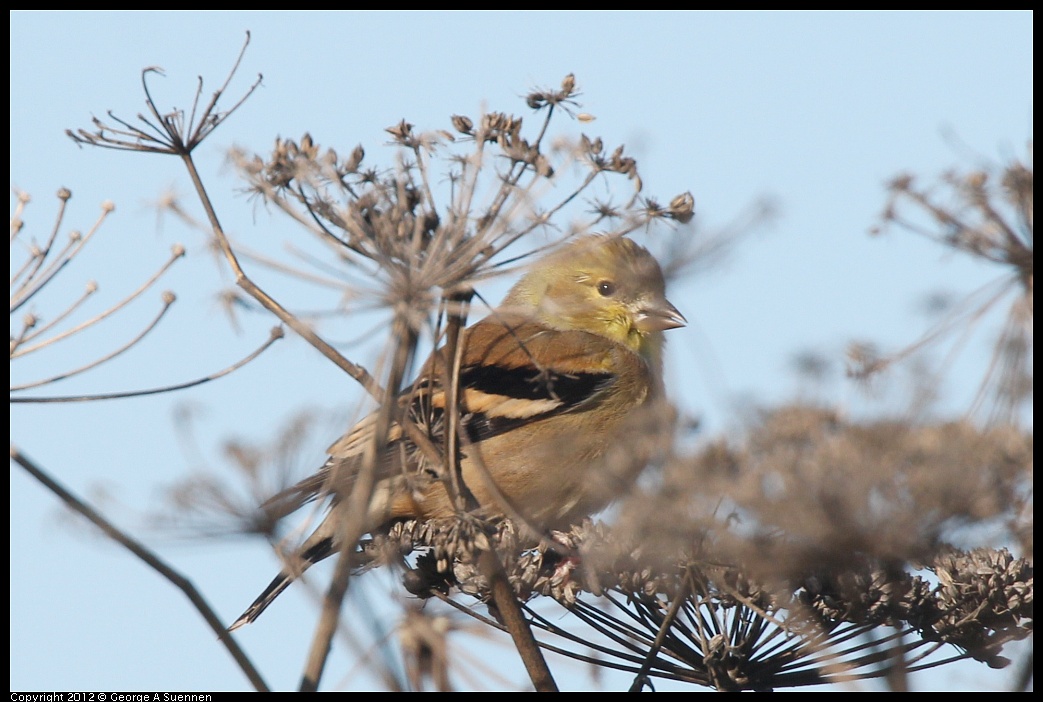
36	269
36	266
812	550
816	551
987	215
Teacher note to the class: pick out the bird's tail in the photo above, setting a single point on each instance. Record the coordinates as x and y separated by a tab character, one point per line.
322	548
280	583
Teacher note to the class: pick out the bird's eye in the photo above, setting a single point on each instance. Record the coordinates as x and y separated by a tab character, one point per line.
607	288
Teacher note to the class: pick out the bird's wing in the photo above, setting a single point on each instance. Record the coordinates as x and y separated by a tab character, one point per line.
513	372
516	373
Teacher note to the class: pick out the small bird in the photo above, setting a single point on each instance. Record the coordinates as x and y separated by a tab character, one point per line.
546	381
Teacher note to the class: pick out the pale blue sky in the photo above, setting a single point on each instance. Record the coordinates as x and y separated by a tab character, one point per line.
814	110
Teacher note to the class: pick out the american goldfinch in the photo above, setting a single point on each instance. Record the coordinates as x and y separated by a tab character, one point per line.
546	383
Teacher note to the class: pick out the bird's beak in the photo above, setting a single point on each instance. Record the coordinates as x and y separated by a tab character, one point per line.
659	315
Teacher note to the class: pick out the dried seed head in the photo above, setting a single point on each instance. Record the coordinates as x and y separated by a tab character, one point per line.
402	132
682	207
355	160
462	124
308	148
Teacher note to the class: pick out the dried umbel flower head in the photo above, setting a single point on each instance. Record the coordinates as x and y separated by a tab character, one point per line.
987	215
711	625
983	599
38	270
420	220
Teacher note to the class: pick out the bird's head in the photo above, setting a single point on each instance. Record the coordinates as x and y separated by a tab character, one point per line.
605	285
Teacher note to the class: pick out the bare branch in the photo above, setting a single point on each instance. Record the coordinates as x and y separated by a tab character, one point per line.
150	559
